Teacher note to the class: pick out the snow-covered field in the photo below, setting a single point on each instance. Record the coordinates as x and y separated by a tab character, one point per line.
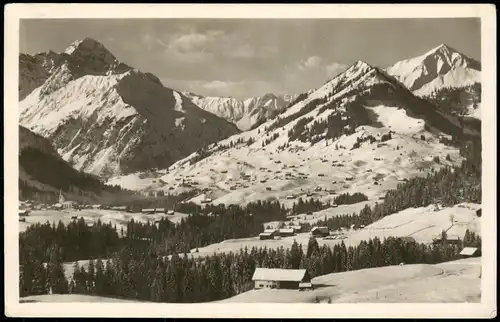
71	298
117	218
456	281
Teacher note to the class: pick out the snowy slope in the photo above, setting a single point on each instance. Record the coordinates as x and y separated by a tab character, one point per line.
245	113
107	119
266	162
440	67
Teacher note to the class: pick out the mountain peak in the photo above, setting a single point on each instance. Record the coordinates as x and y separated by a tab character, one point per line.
442	49
440	66
88	47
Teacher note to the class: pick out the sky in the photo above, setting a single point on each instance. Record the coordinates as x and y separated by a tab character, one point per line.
251	57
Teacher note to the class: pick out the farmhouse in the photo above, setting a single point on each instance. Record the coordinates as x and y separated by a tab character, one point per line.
69	205
170	212
287	232
268	234
281	278
160	210
452	240
120	208
296	228
148	211
320	231
24	212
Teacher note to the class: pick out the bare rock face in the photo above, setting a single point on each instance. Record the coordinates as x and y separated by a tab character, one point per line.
106	118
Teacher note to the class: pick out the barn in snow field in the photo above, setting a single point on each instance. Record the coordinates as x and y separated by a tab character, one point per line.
281	278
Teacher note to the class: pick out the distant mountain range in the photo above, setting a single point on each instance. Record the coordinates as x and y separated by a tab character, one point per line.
109	119
245	113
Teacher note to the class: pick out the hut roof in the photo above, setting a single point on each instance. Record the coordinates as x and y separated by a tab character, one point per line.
468	251
275	274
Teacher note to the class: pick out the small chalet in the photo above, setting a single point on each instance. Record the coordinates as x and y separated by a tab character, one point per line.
268	234
320	232
120	208
296	228
451	240
286	232
281	278
170	212
24	212
149	211
469	252
160	210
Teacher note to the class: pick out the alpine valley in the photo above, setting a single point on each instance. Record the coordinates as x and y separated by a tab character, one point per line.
204	192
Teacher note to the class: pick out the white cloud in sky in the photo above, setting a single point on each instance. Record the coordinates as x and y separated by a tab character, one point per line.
312	62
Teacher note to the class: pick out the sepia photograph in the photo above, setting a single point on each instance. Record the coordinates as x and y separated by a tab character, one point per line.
279	161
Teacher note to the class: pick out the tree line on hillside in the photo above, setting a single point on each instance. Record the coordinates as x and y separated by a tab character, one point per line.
453	100
42	167
219	276
311	204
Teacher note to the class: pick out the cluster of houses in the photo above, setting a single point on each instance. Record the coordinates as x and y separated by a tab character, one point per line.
273	233
152	211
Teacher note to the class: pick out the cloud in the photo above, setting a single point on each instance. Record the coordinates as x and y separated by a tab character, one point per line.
191	47
191	42
311	62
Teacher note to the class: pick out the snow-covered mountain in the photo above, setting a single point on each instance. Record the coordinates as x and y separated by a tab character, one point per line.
363	131
440	67
245	113
106	118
